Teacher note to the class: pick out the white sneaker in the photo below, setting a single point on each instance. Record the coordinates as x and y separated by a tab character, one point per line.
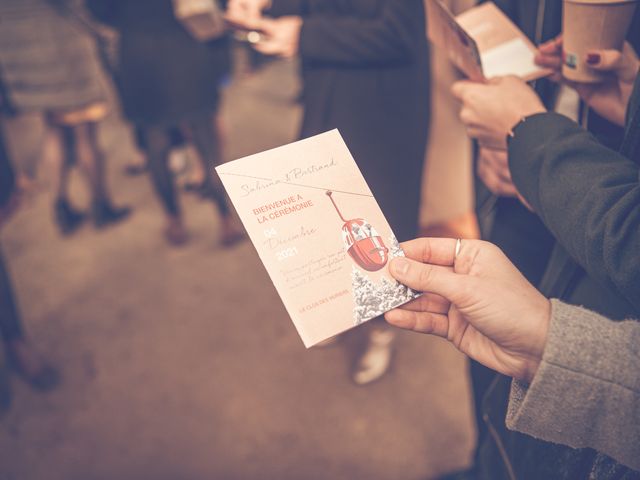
376	359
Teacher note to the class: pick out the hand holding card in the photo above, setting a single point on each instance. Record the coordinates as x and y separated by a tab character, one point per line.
482	42
319	232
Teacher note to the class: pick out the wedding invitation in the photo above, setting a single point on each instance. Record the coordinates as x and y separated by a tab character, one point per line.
319	232
482	42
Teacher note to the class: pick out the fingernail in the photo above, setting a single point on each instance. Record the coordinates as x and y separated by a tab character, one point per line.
400	266
593	58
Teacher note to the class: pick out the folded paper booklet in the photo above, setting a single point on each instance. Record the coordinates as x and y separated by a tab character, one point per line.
319	232
482	42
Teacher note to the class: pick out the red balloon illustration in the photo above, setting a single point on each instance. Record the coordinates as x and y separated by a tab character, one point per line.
363	243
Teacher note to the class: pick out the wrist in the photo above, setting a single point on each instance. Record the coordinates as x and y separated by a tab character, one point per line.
538	338
522	116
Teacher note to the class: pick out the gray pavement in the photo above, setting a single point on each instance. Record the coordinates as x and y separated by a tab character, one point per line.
182	364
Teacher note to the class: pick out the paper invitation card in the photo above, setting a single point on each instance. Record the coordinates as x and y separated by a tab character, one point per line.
482	42
319	232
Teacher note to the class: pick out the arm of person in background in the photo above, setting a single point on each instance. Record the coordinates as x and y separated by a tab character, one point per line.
388	38
599	223
104	11
577	379
586	194
249	13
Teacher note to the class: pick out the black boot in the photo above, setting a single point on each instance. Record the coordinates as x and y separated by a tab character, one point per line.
104	214
67	218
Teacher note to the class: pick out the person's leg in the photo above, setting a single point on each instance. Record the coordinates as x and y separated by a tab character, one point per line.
206	137
22	356
92	161
158	146
138	163
181	143
60	148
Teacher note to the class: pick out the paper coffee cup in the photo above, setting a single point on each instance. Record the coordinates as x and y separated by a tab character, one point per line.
588	25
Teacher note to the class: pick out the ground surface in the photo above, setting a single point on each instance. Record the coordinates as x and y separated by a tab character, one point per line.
183	365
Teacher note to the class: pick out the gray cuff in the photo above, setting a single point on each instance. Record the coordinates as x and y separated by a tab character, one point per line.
586	392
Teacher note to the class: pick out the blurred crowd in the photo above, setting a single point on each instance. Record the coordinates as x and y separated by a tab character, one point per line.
546	174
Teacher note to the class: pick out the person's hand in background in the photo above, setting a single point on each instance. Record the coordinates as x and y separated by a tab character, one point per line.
610	97
281	36
490	110
246	13
493	170
477	300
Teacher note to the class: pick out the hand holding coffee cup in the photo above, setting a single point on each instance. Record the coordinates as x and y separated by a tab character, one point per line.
608	97
592	25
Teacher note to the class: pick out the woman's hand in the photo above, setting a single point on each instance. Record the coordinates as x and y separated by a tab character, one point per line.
493	170
610	97
281	36
477	300
246	13
490	110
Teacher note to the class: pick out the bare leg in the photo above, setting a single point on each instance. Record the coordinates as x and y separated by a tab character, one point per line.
54	153
90	159
138	162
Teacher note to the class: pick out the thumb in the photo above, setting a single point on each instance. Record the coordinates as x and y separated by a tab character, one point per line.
427	278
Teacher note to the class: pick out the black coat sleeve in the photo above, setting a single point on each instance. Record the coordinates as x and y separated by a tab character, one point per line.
587	195
104	11
391	37
280	8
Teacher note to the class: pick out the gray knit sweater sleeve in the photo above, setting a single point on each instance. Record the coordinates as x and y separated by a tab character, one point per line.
586	392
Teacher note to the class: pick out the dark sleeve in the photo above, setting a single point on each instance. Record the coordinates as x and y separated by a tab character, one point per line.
104	11
586	194
391	37
280	8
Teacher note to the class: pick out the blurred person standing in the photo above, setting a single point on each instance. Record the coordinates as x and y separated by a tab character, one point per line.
555	162
48	66
168	80
19	352
523	236
365	72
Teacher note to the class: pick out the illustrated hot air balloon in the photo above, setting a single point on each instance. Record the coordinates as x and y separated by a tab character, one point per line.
363	243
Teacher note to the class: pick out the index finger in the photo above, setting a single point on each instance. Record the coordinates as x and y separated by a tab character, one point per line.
437	251
459	88
553	46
